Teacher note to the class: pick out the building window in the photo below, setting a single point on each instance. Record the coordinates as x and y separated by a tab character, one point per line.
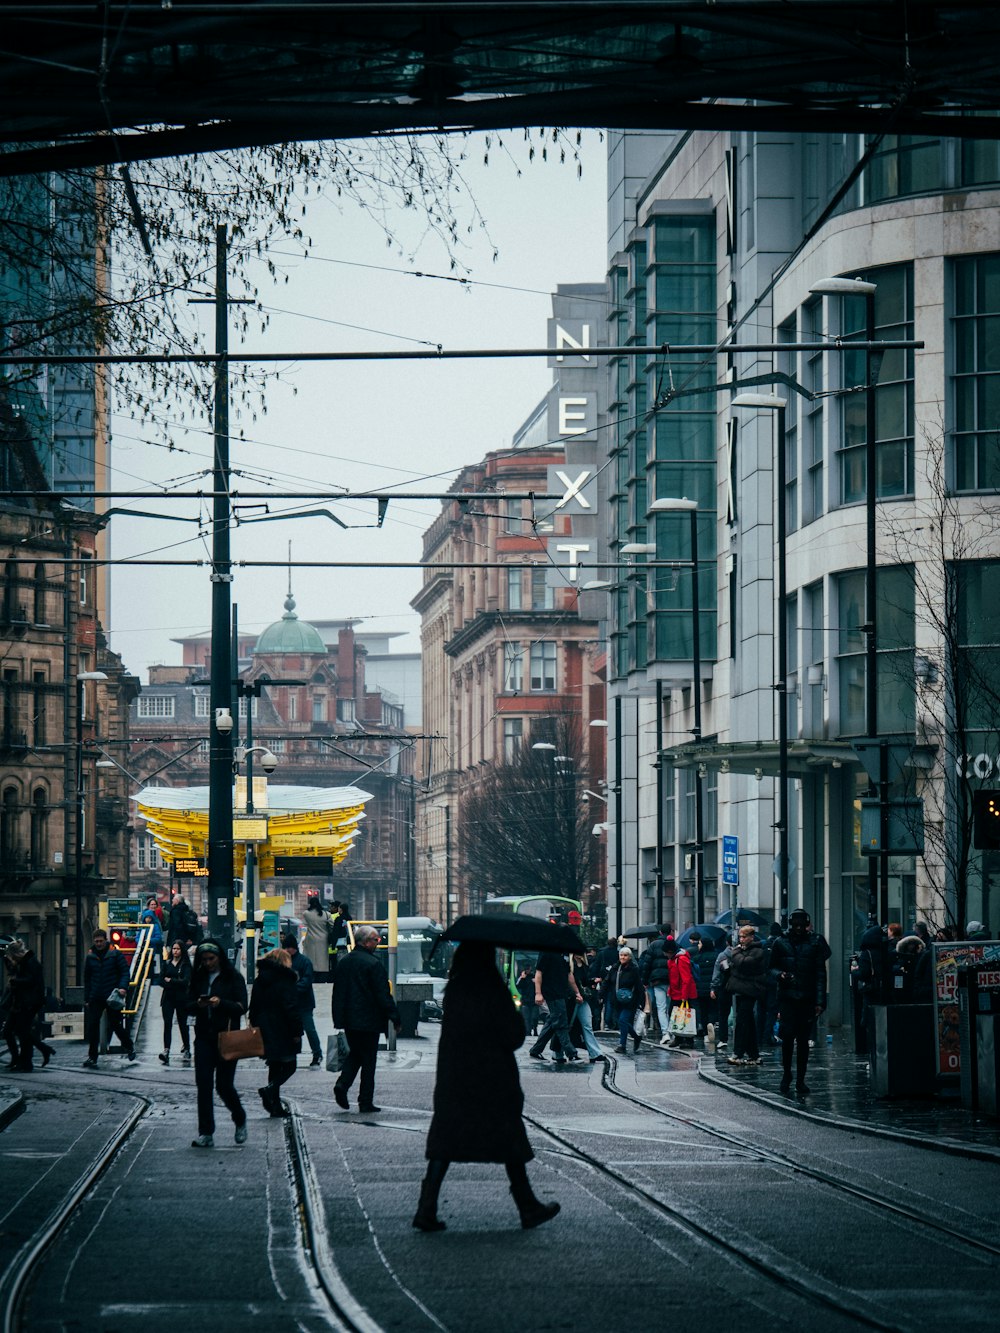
543	598
543	665
513	735
318	708
202	704
293	707
9	846
39	829
345	710
905	164
895	633
978	642
893	395
205	745
147	856
976	377
156	705
253	701
513	667
38	614
514	584
39	728
84	577
811	413
10	730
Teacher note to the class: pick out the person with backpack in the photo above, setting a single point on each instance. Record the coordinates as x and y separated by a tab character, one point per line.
183	924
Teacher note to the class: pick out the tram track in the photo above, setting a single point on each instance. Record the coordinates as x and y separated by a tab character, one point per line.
763	1260
21	1270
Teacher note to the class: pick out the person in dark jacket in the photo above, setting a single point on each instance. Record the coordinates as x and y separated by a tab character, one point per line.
656	978
872	977
607	958
477	1096
529	1009
747	983
703	954
303	970
556	992
182	923
26	999
217	997
721	996
274	1008
767	1005
175	981
913	966
798	963
625	982
363	1006
105	970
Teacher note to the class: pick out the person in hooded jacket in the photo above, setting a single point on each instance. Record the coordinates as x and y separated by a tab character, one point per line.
703	953
274	1008
477	1098
218	999
656	978
720	994
105	969
747	983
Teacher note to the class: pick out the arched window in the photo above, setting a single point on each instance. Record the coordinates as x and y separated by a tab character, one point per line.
39	829
38	616
8	826
9	590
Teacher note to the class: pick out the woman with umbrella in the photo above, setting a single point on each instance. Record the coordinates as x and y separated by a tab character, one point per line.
477	1097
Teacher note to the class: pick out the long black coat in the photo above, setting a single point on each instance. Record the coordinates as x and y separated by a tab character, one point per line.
362	1001
274	1008
477	1097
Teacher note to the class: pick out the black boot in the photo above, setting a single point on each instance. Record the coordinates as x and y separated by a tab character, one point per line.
426	1218
533	1211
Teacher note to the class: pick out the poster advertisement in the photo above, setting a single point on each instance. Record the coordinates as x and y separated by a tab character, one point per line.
270	932
948	958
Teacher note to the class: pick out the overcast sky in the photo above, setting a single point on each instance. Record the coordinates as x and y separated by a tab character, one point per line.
365	426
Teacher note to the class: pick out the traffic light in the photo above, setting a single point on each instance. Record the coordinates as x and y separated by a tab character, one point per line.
986	820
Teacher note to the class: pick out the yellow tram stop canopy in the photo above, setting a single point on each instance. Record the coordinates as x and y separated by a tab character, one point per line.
300	821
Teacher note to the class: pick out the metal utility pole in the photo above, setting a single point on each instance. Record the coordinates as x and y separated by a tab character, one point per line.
220	763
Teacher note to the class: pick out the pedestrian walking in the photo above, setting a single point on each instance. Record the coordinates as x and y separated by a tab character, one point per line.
25	1000
703	953
681	986
746	981
274	1008
319	937
630	999
477	1097
175	984
582	1013
529	1009
720	994
105	973
306	996
607	958
656	979
798	961
363	1006
152	918
217	997
183	923
553	995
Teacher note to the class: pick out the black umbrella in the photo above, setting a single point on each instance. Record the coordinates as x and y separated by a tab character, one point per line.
745	916
713	934
510	931
641	932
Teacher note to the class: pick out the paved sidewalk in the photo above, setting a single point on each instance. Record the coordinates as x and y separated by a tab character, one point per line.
840	1089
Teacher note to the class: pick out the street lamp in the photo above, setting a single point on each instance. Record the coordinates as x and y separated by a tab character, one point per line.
859	287
769	402
669	505
81	680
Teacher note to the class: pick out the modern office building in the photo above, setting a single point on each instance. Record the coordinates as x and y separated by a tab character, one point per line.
512	651
733	238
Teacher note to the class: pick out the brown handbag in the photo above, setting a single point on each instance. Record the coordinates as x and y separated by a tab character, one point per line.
241	1044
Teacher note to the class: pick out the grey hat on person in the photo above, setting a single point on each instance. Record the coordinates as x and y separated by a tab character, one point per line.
974	927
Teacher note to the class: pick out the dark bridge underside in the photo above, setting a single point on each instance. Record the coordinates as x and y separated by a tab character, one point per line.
180	77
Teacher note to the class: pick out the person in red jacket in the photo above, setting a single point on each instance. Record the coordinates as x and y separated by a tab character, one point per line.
682	986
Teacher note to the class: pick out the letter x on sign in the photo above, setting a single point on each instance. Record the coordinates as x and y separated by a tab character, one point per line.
574	489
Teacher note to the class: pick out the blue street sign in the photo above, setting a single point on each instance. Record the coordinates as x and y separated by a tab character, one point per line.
730	859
